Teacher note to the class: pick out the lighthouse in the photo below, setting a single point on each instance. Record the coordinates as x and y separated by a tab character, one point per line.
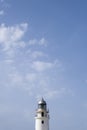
42	116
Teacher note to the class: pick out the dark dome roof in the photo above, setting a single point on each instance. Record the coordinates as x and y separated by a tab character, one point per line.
42	102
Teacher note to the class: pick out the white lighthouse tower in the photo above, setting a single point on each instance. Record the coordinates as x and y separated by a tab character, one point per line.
42	116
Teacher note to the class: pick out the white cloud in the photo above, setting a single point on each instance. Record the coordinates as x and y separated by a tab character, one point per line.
9	61
10	35
37	54
41	42
1	12
41	65
31	77
32	42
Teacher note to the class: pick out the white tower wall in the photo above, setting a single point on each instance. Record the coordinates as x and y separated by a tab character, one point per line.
40	126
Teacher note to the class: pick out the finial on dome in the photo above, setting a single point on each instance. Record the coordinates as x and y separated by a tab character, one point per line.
42	101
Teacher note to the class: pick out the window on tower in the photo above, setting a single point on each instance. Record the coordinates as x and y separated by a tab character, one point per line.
42	122
42	114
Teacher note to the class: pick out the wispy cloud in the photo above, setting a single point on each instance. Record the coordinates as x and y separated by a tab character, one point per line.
1	12
9	36
37	54
11	39
50	93
2	0
86	81
26	67
41	42
4	6
42	66
31	77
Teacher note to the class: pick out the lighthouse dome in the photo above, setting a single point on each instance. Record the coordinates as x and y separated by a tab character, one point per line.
42	104
42	101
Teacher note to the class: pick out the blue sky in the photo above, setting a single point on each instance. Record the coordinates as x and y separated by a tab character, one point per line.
43	52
